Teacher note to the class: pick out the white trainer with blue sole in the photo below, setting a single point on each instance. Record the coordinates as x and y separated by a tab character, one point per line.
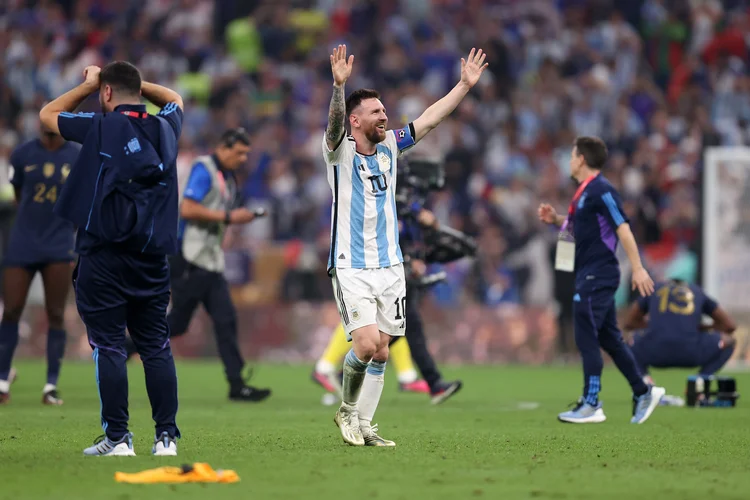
583	413
646	404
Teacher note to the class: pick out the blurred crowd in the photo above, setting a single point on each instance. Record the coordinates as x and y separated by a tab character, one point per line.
659	80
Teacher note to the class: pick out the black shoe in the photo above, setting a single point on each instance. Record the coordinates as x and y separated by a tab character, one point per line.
249	393
444	390
52	398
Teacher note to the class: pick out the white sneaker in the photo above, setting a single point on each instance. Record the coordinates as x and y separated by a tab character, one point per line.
583	413
105	447
164	446
348	422
645	404
670	400
371	437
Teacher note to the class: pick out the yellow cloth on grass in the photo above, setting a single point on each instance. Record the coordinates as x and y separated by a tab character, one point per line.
196	473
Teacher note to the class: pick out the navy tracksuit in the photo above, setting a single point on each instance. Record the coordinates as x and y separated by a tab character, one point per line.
597	215
122	195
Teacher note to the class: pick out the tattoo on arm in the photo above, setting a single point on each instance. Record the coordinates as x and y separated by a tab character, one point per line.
336	115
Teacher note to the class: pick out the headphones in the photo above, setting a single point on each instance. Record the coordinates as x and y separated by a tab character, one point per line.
233	136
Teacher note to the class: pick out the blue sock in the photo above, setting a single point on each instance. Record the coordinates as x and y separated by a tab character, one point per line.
591	355
55	353
592	386
8	343
354	362
376	367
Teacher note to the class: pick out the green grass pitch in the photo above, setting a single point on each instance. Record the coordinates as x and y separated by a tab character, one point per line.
485	443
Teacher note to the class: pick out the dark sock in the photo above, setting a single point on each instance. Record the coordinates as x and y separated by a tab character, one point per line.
8	343
55	353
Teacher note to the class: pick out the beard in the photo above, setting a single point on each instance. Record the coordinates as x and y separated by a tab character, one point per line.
375	135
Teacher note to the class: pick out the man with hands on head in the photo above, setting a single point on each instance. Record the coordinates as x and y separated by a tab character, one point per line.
122	196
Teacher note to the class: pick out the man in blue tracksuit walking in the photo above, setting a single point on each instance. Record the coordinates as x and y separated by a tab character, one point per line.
122	195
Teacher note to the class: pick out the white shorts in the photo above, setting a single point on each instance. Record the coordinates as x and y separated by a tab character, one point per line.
371	297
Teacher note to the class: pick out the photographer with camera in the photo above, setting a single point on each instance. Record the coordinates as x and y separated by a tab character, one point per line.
209	204
424	241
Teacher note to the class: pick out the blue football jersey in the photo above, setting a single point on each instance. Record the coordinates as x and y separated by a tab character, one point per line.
38	234
675	309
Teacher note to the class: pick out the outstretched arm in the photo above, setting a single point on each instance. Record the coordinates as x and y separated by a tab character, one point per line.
341	69
471	70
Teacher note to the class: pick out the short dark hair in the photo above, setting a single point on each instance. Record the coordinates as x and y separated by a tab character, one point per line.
234	135
593	150
356	98
122	76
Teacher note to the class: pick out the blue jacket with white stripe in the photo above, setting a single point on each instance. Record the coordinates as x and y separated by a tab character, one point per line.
122	191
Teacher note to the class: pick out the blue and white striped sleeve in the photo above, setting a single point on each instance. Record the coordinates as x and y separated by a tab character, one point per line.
613	209
75	126
173	114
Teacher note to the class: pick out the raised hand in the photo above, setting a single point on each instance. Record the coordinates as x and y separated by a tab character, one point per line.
341	67
91	76
473	67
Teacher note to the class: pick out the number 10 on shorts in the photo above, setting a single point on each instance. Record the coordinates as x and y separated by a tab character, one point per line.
400	308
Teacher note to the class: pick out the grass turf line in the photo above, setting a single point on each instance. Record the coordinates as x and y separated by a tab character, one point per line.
477	445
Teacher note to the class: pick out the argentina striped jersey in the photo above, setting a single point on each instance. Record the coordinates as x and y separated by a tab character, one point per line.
364	223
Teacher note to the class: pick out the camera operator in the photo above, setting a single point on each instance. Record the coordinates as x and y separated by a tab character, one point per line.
416	228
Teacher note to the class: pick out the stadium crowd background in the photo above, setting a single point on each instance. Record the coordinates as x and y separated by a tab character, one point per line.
660	80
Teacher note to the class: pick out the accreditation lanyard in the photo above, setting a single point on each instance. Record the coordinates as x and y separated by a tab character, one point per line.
566	246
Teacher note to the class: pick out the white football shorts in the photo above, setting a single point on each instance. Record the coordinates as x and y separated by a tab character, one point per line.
371	296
